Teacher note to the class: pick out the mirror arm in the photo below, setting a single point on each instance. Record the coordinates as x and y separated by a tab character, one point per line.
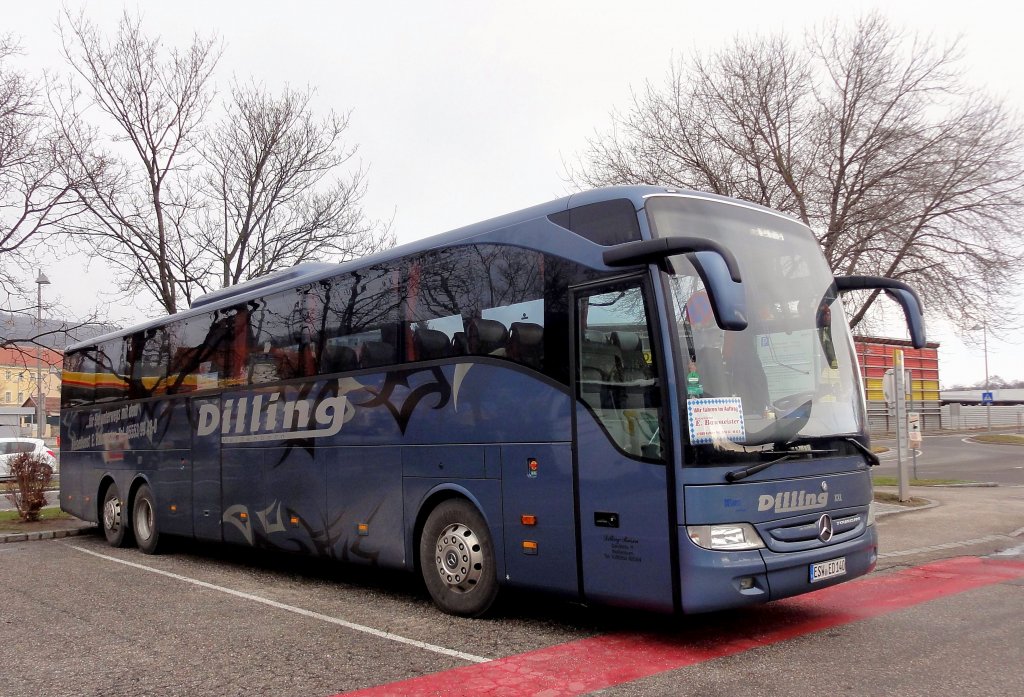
654	251
906	296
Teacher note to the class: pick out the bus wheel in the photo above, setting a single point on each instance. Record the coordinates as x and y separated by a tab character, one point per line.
147	535
457	559
113	519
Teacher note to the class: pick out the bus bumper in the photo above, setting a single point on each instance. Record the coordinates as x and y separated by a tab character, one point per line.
721	580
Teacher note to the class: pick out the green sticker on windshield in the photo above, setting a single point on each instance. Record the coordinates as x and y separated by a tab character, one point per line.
694	388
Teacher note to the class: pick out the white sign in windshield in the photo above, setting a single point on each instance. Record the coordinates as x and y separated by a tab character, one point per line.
715	420
787	358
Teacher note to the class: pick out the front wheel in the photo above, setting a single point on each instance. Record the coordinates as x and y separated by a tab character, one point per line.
147	535
457	559
113	518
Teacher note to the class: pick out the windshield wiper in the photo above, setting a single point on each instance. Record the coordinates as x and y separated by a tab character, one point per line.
872	458
737	475
784	449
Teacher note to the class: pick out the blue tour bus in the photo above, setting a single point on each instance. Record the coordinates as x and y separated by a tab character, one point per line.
635	395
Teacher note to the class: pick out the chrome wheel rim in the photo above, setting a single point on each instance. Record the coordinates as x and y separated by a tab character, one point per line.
144	519
112	514
459	558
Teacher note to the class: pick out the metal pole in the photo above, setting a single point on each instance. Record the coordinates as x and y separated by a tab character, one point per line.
40	396
901	421
988	405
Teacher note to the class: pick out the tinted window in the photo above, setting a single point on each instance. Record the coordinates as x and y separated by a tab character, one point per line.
78	378
283	329
361	325
198	348
483	300
606	223
111	377
149	358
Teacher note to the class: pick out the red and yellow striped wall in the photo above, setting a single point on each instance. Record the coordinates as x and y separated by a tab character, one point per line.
876	356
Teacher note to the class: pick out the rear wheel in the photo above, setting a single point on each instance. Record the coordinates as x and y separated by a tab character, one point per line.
457	559
147	535
113	518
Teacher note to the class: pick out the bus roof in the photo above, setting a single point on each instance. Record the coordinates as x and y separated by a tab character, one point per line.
315	271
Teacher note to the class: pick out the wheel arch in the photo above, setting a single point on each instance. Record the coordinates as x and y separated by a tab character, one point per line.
101	491
134	487
436	497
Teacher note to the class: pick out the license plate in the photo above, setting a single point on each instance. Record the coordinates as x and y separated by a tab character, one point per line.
828	569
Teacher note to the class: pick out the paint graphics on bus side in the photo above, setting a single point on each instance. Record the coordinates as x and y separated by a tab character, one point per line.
449	404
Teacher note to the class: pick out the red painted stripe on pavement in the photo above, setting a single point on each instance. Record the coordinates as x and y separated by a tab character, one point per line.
599	662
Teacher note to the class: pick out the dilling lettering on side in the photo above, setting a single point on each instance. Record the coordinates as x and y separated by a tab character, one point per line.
265	417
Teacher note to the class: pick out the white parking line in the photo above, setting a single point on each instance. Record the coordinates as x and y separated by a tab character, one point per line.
887	457
1012	552
297	610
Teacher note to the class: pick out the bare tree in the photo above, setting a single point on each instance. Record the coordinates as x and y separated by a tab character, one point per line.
34	196
183	206
140	197
866	134
276	190
37	197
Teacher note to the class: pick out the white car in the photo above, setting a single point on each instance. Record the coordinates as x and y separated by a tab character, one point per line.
12	447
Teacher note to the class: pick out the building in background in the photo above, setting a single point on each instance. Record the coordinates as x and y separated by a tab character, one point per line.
18	383
875	356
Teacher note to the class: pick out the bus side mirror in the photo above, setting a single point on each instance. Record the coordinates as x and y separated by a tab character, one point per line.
715	264
727	298
913	310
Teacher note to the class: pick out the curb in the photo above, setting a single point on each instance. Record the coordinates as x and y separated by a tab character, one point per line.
906	509
44	534
967	485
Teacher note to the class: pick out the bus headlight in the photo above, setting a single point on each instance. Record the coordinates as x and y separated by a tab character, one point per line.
727	536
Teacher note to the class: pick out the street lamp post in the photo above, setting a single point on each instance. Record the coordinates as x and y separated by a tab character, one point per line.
984	339
40	396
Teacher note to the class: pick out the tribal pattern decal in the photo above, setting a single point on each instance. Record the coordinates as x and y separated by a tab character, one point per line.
403	412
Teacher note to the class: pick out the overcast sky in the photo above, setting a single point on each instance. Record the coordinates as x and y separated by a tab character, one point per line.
467	110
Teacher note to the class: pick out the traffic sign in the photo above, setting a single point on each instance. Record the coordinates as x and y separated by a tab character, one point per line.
914	427
987	398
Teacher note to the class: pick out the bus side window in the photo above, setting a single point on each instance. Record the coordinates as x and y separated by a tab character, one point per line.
279	335
617	378
111	371
360	326
487	300
383	348
337	357
197	348
149	363
79	379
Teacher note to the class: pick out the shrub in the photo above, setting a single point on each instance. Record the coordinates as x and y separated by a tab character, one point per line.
30	476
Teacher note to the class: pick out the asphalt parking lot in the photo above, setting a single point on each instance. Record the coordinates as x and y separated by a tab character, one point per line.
81	618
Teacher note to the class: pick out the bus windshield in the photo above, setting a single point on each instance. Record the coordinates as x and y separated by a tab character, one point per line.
789	379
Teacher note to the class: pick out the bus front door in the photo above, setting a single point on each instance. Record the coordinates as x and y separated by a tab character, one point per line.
624	523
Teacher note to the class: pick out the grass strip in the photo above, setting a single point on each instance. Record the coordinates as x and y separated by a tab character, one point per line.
1000	438
11	522
884	480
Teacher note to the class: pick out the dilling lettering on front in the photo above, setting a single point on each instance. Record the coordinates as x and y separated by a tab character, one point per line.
790	501
273	416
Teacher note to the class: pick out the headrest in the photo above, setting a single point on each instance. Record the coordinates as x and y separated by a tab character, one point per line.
627	341
527	333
